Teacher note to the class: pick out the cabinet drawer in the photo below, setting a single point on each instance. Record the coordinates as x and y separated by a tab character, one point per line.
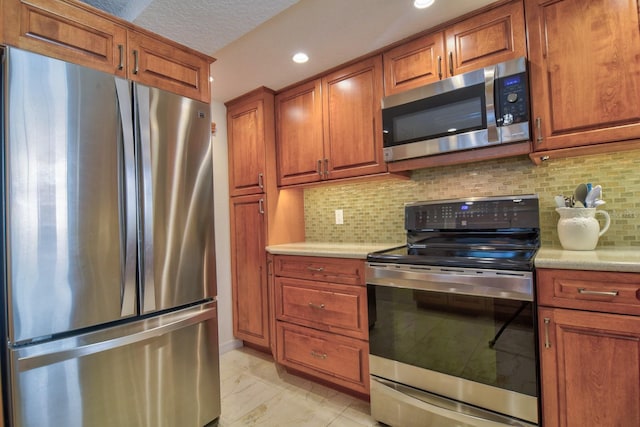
327	306
337	270
340	360
589	290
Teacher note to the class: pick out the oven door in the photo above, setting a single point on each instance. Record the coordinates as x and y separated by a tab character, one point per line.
466	336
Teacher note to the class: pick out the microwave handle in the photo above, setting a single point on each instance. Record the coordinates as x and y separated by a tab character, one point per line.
489	89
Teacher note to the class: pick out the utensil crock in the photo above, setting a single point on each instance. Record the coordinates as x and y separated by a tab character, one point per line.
578	228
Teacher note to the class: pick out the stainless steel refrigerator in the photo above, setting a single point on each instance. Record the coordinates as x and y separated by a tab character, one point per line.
109	292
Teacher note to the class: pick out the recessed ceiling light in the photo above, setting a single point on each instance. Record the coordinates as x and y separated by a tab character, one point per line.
422	4
300	58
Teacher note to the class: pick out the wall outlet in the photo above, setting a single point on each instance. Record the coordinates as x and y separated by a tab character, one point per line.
339	217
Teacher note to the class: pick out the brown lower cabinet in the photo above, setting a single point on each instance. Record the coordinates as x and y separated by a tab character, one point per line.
321	319
589	325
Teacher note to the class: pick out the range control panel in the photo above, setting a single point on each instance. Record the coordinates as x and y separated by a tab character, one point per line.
475	214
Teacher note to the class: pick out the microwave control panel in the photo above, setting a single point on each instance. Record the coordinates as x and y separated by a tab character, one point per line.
512	103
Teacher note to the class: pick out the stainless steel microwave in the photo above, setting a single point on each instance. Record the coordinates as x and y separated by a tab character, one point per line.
480	108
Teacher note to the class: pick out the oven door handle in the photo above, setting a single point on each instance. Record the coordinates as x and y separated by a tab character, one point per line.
506	286
440	407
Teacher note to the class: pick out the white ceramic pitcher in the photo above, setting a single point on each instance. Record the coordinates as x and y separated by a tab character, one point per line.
578	228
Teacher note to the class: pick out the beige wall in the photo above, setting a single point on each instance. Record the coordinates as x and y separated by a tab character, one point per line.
373	211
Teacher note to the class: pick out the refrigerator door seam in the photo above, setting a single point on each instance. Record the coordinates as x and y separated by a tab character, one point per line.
148	298
128	299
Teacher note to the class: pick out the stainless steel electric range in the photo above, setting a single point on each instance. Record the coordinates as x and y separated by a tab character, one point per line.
452	316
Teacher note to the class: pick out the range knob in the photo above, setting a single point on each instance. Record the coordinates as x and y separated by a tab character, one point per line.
512	97
507	119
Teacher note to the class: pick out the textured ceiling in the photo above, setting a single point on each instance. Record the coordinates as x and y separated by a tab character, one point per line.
253	40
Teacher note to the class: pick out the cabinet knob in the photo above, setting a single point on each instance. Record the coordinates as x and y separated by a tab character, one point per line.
319	307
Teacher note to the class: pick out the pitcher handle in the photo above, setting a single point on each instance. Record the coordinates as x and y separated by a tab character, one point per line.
607	222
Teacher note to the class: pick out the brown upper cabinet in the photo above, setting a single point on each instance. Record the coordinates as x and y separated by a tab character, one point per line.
490	37
78	33
250	134
158	63
330	128
584	72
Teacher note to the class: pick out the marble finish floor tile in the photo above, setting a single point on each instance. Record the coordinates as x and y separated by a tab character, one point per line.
257	392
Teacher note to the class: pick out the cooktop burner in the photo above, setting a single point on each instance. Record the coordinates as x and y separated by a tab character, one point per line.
499	233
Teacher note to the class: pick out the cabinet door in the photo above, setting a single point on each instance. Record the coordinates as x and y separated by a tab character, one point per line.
71	32
168	66
486	39
414	63
299	142
590	368
352	120
246	143
249	270
585	71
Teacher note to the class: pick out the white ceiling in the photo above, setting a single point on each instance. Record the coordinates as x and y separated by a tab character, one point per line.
253	40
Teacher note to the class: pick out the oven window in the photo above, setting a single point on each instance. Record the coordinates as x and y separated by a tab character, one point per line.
486	340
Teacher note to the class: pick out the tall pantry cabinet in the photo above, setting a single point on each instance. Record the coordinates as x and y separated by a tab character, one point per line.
260	213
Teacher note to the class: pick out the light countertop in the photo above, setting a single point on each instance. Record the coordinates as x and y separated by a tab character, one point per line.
625	259
327	249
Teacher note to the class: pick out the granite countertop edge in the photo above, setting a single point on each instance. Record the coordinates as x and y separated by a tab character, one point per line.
332	250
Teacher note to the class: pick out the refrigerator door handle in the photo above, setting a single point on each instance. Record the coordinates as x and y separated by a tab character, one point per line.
143	115
128	293
39	360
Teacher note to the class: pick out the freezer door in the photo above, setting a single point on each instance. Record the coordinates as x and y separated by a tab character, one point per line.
70	242
160	372
176	187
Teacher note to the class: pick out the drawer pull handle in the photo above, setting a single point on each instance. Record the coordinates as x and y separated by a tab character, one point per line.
547	343
584	291
315	269
319	307
318	355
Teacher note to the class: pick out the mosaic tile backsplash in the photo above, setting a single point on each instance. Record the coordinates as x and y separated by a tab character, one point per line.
374	211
